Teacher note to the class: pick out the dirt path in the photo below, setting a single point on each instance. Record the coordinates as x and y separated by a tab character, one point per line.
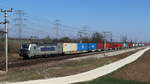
138	71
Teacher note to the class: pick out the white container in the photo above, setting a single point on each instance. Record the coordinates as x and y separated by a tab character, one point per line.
143	45
69	48
134	45
137	45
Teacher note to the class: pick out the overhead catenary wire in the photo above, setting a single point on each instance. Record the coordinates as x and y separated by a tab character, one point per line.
44	25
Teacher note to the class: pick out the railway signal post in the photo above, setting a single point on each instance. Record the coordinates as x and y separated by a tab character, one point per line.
6	33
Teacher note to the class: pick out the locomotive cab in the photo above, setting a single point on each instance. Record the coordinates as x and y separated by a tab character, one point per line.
27	50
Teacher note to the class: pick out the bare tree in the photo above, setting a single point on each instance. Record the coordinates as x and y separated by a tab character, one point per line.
65	39
47	39
97	37
2	33
86	39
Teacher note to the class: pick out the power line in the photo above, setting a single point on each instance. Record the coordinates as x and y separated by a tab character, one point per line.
19	21
57	28
82	33
37	19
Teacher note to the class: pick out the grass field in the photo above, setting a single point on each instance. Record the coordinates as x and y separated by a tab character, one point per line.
137	72
111	80
43	70
64	69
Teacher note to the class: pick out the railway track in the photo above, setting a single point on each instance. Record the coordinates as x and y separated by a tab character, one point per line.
14	63
19	63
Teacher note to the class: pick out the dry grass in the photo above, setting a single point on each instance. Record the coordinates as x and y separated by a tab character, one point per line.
138	70
63	68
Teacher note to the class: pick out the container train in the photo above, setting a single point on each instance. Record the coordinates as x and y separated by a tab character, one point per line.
34	50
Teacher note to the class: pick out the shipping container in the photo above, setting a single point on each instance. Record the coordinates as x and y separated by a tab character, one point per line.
125	45
92	46
109	45
143	44
140	44
118	45
100	46
82	47
130	45
113	45
121	45
136	44
69	48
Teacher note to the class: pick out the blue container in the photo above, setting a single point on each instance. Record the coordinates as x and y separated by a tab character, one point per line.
92	46
82	47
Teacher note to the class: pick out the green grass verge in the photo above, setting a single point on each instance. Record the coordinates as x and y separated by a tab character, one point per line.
111	80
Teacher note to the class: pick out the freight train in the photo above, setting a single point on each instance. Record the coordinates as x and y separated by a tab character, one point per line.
29	50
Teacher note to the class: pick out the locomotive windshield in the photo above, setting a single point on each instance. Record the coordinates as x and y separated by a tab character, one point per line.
25	46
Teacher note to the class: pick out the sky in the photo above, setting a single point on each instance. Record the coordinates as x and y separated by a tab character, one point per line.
121	17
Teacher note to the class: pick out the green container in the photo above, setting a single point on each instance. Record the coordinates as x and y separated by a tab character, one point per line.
125	45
